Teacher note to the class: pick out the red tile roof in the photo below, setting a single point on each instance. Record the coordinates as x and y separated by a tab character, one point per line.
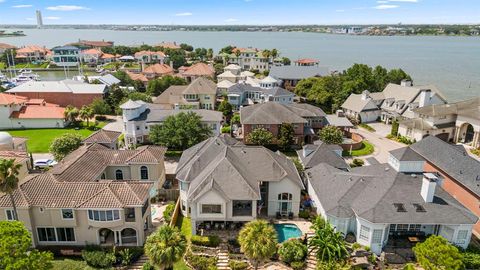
306	61
137	76
159	69
92	51
6	99
199	69
141	53
39	112
6	46
32	49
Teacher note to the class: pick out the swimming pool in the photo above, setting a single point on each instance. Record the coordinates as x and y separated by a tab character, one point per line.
286	231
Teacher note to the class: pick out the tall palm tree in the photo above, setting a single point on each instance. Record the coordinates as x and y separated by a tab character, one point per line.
9	180
258	240
165	247
86	113
330	245
70	113
274	53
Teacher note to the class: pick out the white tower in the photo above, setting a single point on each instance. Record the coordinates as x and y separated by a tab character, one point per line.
39	19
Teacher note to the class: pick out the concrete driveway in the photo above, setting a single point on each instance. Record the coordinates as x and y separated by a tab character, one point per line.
382	145
115	125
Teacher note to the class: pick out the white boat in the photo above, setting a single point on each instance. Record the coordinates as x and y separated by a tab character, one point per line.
3	78
26	76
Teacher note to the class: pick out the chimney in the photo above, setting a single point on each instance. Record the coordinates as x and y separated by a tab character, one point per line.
429	183
425	95
365	95
406	83
171	64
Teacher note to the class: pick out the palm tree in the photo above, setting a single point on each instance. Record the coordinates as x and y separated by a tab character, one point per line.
71	113
266	53
330	245
9	180
86	113
165	247
274	53
258	240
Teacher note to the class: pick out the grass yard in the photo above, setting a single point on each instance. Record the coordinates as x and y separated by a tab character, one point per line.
39	140
30	65
185	227
366	149
2	65
63	264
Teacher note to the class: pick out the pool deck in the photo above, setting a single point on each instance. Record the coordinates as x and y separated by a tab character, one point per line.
302	224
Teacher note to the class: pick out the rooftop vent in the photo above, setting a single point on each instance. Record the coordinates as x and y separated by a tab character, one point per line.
419	208
400	207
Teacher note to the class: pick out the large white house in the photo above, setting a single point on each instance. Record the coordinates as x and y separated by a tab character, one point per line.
382	202
222	180
139	116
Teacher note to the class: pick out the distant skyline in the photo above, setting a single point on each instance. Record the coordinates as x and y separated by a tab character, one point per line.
241	12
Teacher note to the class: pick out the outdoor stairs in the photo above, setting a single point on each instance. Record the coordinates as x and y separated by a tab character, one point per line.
139	263
222	258
312	255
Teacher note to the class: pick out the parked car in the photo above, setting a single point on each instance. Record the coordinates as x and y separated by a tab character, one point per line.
43	163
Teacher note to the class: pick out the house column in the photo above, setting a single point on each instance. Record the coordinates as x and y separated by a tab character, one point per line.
457	134
476	140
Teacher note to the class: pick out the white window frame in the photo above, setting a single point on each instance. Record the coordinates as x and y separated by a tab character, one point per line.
364	233
12	213
462	240
210	204
377	236
104	214
73	214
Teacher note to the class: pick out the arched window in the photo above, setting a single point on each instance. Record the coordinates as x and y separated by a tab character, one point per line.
144	173
119	175
285	196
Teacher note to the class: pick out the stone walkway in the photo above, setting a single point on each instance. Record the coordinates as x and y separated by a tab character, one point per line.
222	258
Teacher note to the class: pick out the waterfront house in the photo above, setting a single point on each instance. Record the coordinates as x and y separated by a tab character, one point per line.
66	56
381	203
248	59
94	196
91	44
291	75
168	45
199	94
458	122
149	57
305	118
5	46
458	173
31	53
222	180
306	62
63	93
138	117
196	70
394	102
19	112
157	70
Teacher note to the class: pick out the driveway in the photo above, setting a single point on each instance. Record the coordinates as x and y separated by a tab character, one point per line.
115	125
382	144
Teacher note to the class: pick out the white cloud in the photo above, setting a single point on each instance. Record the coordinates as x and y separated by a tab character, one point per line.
22	6
404	1
340	10
386	7
67	8
52	18
184	14
231	20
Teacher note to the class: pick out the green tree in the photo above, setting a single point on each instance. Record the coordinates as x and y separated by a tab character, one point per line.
71	113
330	244
180	131
165	247
395	125
235	119
226	108
274	53
9	180
286	136
125	80
260	136
64	145
258	241
437	254
15	251
396	76
292	250
286	61
100	106
331	135
157	86
86	113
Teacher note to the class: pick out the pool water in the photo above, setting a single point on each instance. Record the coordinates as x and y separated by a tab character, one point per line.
287	231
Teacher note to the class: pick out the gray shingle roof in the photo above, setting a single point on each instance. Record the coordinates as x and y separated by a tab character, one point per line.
370	192
321	153
269	113
355	103
469	108
452	160
406	154
298	72
233	169
337	121
156	113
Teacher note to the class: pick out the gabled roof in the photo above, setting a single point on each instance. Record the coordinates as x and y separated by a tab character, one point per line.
7	99
201	85
150	53
469	108
137	76
233	169
227	74
371	192
225	84
269	113
406	154
408	93
356	103
321	152
199	69
159	69
43	190
452	160
156	113
103	136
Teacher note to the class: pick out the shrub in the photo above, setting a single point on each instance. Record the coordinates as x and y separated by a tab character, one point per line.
471	260
167	214
367	248
238	265
126	255
226	129
100	118
409	266
206	241
202	262
357	162
304	214
148	266
99	259
297	265
356	246
292	250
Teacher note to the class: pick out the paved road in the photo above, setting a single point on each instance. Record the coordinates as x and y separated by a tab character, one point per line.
382	145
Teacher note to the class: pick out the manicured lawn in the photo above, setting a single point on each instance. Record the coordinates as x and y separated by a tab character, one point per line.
63	264
366	149
39	140
185	226
30	65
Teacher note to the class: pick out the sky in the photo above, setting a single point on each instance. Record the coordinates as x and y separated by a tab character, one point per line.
240	12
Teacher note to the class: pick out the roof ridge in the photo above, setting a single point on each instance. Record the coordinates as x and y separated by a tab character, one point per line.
91	197
134	193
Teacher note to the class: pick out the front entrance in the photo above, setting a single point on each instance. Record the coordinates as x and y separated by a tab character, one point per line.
106	237
469	134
